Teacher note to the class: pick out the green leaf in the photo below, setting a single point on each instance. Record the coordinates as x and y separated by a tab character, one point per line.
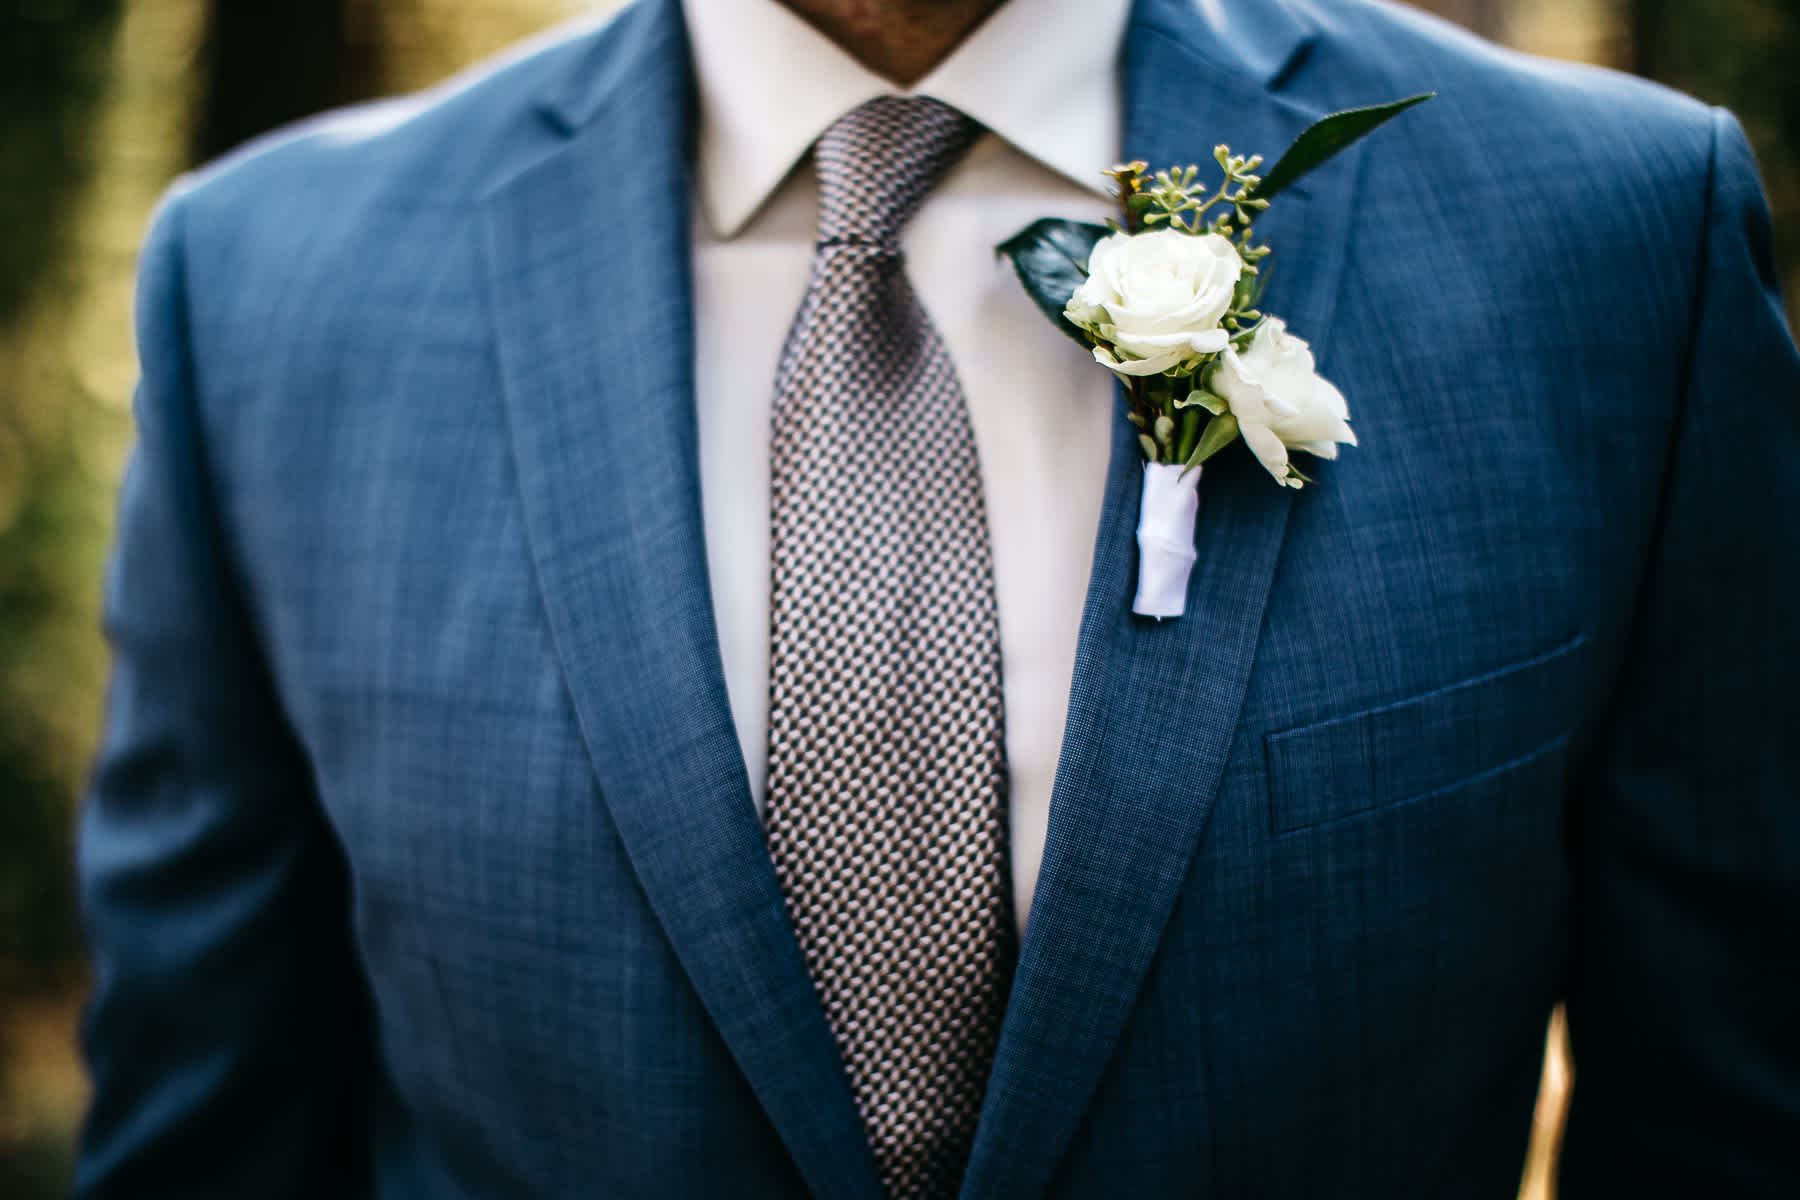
1050	257
1221	431
1325	137
1201	398
1250	288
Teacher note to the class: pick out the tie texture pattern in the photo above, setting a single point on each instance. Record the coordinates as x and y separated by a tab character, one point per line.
887	798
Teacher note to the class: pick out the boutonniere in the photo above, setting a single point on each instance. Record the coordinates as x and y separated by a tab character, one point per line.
1165	298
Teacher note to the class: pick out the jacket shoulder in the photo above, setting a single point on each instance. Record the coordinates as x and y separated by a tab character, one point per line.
1515	149
409	162
1491	98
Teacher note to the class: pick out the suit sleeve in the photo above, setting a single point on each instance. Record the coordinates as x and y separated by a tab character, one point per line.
1684	1002
226	1031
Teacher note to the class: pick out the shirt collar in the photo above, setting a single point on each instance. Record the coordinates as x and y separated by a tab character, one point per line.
1042	74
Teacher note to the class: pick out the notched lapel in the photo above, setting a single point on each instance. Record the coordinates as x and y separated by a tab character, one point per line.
1154	706
588	257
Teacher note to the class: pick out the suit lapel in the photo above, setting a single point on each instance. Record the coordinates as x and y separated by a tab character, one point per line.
1154	706
589	275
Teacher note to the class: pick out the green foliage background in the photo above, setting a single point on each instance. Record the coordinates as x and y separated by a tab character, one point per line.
53	60
53	71
102	101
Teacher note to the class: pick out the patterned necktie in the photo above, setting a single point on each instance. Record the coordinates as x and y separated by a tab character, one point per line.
887	795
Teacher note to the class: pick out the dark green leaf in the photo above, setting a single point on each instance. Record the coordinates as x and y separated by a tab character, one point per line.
1220	432
1325	137
1250	288
1051	257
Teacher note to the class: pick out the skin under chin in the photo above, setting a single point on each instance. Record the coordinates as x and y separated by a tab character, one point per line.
898	39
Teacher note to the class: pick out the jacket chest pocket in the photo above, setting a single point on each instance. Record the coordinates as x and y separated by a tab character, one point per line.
1435	742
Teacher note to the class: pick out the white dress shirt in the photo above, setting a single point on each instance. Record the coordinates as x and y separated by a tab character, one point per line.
1042	76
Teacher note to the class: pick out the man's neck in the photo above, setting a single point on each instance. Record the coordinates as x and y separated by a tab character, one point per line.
900	40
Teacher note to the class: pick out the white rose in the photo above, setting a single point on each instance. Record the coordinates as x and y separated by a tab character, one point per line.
1280	401
1154	300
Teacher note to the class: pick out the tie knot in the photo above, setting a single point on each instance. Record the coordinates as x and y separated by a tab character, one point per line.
877	162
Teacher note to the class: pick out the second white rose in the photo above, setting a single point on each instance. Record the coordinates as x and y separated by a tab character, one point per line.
1154	300
1280	400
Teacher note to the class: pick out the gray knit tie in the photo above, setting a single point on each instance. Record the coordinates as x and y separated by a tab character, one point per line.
887	789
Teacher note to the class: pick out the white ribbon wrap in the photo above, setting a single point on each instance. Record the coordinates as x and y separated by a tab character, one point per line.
1165	538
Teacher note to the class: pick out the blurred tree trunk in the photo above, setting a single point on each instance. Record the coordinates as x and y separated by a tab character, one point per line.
1644	20
52	68
268	62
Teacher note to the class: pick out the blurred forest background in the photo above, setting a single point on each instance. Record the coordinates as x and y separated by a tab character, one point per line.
103	102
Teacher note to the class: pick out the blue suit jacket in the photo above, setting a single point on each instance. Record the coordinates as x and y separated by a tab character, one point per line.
420	857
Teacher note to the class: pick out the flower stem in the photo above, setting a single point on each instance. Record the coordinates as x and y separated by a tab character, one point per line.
1190	433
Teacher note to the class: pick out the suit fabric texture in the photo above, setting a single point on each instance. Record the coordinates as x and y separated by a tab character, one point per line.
420	861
